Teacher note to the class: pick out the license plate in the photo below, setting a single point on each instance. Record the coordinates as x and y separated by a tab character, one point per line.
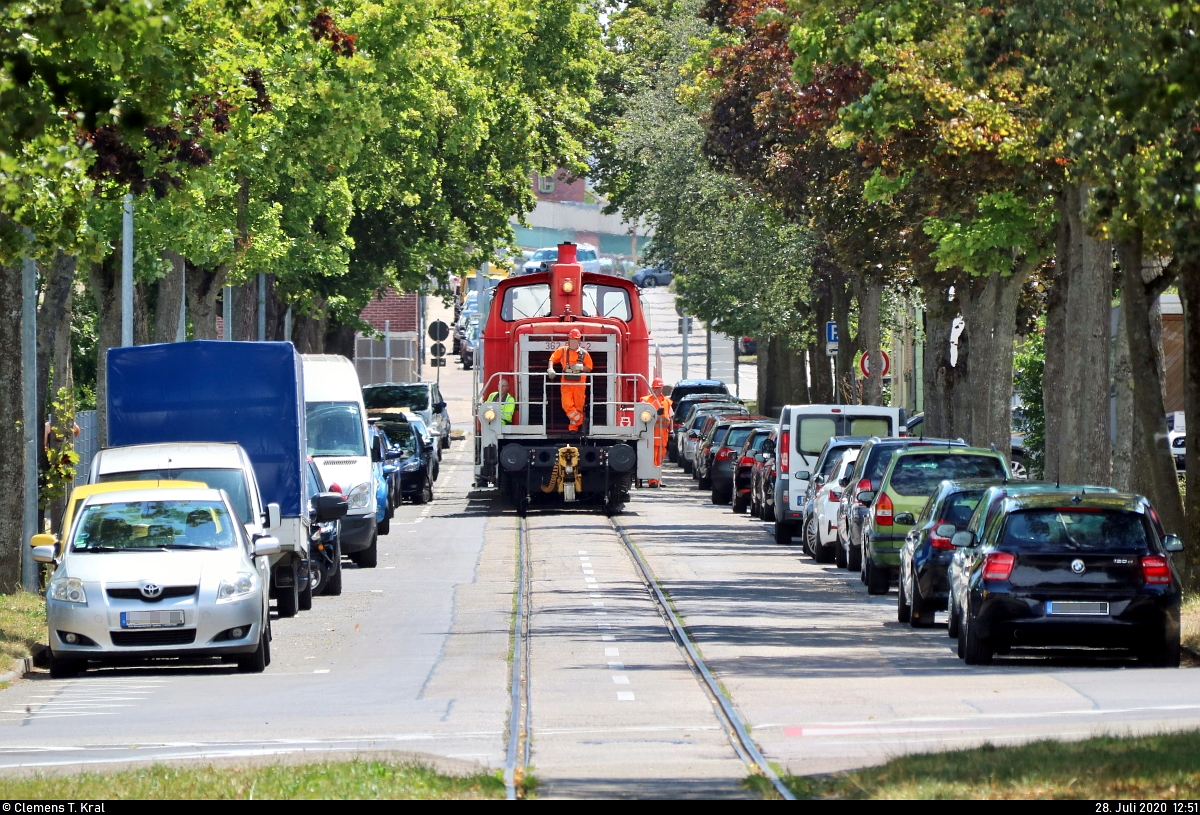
1076	608
151	619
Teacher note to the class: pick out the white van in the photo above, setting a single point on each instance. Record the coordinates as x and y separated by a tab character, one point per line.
803	431
338	441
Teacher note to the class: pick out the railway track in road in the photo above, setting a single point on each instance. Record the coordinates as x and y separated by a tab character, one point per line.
520	727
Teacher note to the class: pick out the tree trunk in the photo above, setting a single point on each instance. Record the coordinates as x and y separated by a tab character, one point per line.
104	279
203	287
51	314
937	372
170	293
848	344
1153	467
1054	376
1122	422
870	302
339	339
1189	291
141	315
245	310
991	321
12	442
62	379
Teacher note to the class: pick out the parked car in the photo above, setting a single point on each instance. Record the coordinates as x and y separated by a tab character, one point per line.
762	483
872	463
747	346
694	430
688	387
821	472
911	477
470	341
462	326
158	573
325	544
586	255
1067	568
429	448
923	581
743	462
1018	455
383	492
414	455
652	276
1177	438
682	411
423	399
803	431
712	430
821	536
721	459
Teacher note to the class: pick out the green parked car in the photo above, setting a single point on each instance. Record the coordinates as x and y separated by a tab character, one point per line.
911	477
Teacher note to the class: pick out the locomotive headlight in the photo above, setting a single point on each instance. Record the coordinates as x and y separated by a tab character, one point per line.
646	415
568	285
490	415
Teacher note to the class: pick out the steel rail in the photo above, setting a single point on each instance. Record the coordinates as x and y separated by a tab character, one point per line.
742	742
518	725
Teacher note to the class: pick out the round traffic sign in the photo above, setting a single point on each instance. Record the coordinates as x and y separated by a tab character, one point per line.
438	331
437	350
865	367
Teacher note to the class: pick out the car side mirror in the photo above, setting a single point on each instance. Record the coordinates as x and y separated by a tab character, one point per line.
844	482
962	540
865	496
266	545
439	407
393	453
375	454
1172	543
905	518
273	516
42	539
819	481
330	506
43	554
804	475
945	530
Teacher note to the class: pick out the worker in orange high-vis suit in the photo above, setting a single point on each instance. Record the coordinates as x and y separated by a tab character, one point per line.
572	361
662	427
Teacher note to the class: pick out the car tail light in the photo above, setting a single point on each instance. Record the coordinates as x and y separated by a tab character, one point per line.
997	565
1155	569
883	510
937	541
835	496
785	447
724	454
747	461
863	485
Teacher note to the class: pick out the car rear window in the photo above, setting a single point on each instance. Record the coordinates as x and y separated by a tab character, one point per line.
920	473
867	426
736	436
832	458
813	431
719	436
1076	530
959	507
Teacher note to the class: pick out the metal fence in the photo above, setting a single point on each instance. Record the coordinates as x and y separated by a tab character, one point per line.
86	444
391	359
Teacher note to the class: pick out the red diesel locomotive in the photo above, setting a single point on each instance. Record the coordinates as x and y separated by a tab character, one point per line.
572	426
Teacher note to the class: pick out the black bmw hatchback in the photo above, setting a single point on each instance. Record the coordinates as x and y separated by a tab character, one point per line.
1067	568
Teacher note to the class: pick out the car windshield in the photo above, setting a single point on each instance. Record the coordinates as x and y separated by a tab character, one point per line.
399	432
605	301
1076	529
523	302
545	254
230	480
920	473
128	526
414	397
959	508
335	429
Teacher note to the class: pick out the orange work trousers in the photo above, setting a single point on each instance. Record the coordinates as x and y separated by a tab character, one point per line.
660	443
574	400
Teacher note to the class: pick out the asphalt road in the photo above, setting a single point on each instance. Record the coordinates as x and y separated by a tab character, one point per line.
413	658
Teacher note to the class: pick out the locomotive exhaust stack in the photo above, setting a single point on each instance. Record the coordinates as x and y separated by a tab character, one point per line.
574	349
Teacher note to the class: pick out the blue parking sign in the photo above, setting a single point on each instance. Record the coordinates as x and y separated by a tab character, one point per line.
831	334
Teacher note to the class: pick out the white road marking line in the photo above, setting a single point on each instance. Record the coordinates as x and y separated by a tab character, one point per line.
603	625
597	603
589	580
385	568
322	671
376	591
589	571
624	696
1001	716
607	638
620	680
595	595
600	613
616	666
612	652
583	551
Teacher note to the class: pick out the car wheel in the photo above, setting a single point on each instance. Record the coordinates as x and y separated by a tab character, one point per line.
738	504
369	558
1165	655
854	560
877	576
686	466
705	483
306	593
975	649
257	662
839	555
1017	468
903	608
783	533
65	668
426	492
333	583
960	644
922	615
721	498
768	512
672	454
384	526
287	598
952	620
812	542
649	282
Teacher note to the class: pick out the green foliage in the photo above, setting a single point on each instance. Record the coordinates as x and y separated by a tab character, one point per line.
61	458
1028	363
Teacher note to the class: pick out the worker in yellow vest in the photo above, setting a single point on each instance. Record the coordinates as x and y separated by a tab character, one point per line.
662	427
572	362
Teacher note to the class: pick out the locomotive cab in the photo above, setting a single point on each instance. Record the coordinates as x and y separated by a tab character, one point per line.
527	447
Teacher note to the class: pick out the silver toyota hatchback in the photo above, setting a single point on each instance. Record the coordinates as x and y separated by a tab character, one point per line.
154	573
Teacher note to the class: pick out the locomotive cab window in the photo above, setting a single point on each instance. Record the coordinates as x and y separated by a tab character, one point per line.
522	302
605	301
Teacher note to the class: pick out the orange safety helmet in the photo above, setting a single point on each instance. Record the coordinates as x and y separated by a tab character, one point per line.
657	383
575	334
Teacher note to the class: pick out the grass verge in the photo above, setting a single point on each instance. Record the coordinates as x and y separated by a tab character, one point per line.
1189	623
22	625
1139	767
335	780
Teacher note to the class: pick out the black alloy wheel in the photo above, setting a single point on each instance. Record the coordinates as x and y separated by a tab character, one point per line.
951	618
258	661
903	608
975	650
922	615
877	576
783	533
287	598
368	558
306	594
840	558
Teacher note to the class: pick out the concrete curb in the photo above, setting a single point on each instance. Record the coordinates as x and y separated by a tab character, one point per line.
20	668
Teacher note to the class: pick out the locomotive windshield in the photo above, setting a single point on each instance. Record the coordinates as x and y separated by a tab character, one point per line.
522	302
605	301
